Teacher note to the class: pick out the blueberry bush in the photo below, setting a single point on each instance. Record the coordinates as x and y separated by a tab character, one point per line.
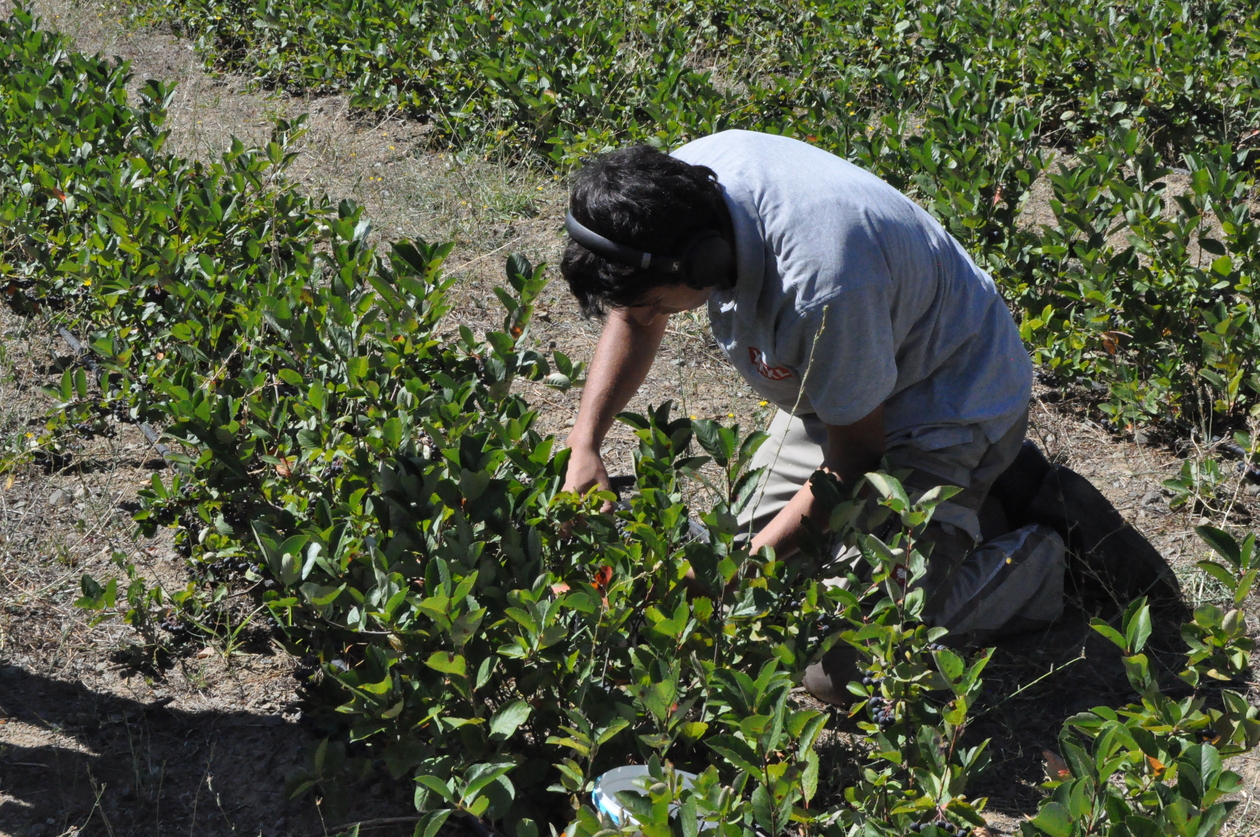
1142	120
383	496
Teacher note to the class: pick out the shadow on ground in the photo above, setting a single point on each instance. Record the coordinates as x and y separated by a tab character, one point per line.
1036	681
76	761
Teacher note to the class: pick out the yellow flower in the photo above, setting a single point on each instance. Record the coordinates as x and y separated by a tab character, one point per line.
730	415
87	283
763	403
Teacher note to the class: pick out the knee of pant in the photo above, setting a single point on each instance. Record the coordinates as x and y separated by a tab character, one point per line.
950	544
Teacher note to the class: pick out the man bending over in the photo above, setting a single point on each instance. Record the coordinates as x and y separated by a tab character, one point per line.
847	306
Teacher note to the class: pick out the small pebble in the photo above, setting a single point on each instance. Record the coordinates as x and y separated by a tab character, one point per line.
56	498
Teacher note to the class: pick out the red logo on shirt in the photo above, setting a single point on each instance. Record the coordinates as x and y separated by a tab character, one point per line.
774	373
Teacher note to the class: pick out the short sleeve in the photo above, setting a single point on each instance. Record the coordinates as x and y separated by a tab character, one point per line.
850	358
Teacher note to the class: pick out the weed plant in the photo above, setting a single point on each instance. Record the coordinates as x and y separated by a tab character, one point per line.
472	629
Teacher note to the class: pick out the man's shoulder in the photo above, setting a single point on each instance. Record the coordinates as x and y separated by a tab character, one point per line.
784	177
751	153
734	139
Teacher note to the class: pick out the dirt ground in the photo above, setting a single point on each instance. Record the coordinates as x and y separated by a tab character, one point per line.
96	740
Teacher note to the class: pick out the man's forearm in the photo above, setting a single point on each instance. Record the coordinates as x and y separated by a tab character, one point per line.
852	451
622	359
783	531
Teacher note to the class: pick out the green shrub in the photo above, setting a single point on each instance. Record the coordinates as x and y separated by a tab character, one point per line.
962	104
479	633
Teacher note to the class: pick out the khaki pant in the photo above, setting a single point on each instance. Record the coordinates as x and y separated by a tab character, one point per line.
982	581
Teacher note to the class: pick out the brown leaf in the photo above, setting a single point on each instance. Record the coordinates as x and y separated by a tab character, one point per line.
603	577
1056	767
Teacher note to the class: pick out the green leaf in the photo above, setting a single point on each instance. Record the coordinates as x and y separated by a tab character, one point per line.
1109	632
432	823
446	663
1137	625
1218	572
935	496
763	810
518	270
737	752
316	396
1221	542
949	664
809	776
392	431
509	717
688	819
1054	819
437	786
894	495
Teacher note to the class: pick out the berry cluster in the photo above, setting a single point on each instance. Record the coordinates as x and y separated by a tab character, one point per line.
872	679
226	569
173	625
236	517
935	646
943	826
95	428
882	711
307	669
164	515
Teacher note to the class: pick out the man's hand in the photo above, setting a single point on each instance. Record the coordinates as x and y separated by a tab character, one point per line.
852	450
586	471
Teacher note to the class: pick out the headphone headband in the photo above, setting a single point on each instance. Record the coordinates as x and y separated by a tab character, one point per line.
706	261
619	253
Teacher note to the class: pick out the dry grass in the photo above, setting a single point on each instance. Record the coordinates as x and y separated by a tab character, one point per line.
93	741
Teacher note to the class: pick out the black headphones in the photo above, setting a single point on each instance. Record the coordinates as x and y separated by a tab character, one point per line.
706	260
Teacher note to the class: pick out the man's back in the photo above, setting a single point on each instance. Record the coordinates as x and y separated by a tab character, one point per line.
844	281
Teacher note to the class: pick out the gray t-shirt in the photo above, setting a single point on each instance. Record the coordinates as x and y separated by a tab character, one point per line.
849	286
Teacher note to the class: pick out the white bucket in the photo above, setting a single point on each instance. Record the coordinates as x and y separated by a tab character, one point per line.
629	778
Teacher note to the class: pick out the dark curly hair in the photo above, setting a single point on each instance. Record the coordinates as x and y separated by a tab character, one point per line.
642	198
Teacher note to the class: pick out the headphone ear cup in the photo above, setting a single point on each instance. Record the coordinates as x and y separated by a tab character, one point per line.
709	262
